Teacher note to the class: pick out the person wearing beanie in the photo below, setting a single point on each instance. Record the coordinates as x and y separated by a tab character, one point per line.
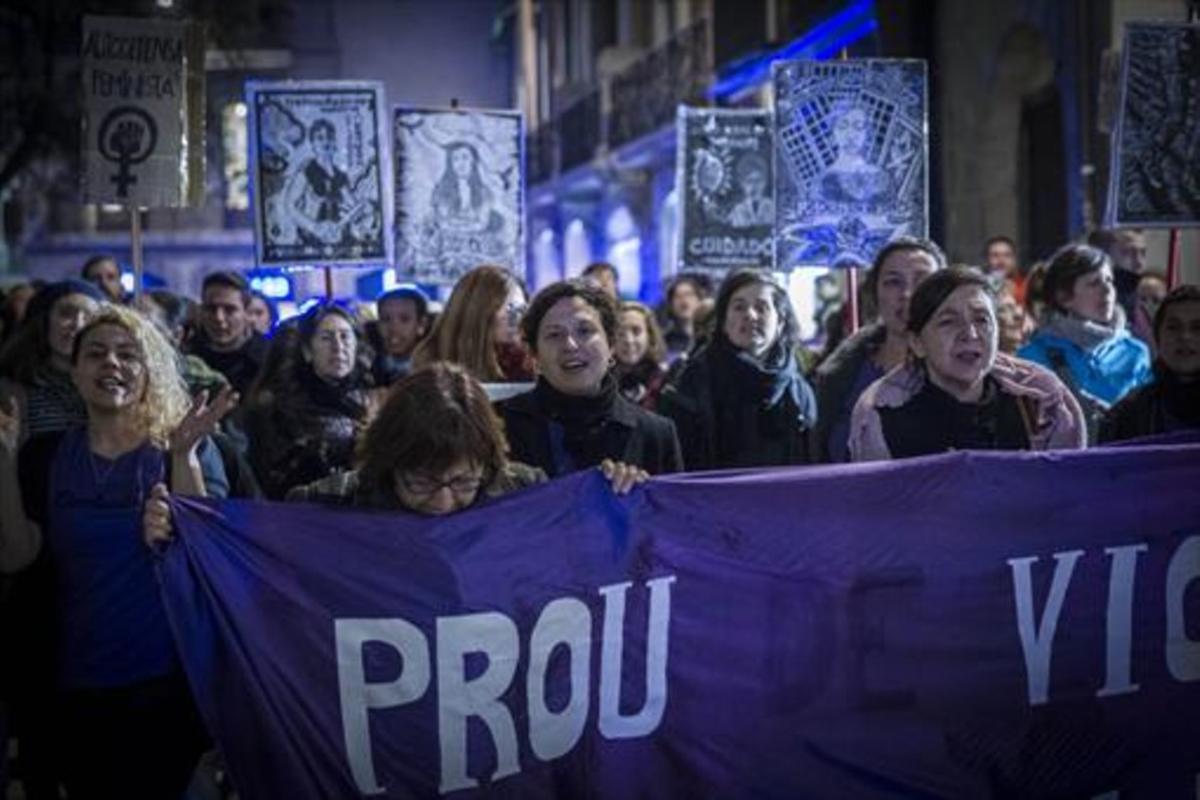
403	323
35	361
956	391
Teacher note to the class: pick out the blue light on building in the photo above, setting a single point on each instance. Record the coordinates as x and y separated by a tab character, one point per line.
850	25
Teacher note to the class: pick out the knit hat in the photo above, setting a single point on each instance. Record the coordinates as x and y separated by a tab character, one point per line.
51	293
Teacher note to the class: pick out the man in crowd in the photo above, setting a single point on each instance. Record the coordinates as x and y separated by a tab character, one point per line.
605	276
226	341
403	322
1127	249
1002	266
105	273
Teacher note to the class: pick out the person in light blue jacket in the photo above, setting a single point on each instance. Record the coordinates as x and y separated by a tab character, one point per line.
1082	336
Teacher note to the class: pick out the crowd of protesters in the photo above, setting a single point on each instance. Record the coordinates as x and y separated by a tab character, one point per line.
107	406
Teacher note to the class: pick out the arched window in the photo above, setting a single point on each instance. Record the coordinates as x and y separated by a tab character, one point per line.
668	237
546	268
577	251
235	151
625	249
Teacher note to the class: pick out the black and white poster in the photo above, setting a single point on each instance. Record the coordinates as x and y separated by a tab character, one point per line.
319	171
724	178
851	159
136	131
459	192
1156	158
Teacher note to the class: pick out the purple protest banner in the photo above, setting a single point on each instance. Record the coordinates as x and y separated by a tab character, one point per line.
968	625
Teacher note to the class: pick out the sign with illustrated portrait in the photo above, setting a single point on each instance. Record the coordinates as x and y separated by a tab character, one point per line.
459	192
319	169
1156	158
724	179
140	104
850	159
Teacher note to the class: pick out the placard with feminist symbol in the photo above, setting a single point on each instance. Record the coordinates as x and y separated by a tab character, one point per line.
136	132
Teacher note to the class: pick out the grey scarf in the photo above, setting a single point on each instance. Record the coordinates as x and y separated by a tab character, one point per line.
1085	333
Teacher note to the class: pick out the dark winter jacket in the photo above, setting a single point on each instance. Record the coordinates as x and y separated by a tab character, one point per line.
1164	406
545	431
304	430
733	413
240	367
833	383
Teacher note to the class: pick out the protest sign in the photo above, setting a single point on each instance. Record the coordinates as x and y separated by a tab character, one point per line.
1156	155
319	171
851	151
725	182
143	101
460	192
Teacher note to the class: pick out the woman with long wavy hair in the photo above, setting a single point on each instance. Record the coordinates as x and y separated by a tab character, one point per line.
125	715
479	328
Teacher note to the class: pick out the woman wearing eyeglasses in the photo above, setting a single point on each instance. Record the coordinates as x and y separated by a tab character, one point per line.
436	447
480	328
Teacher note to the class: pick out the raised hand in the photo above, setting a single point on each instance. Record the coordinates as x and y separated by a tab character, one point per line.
622	476
201	419
157	525
10	429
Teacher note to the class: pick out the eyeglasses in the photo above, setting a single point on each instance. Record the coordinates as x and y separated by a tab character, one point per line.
513	312
423	485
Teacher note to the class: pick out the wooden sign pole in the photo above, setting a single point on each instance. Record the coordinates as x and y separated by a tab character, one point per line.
135	236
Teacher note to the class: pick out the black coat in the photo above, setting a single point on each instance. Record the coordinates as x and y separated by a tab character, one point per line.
769	436
1162	406
631	434
240	367
834	380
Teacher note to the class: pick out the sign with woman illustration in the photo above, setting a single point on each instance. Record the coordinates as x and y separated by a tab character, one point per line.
459	192
725	182
319	172
851	153
1156	152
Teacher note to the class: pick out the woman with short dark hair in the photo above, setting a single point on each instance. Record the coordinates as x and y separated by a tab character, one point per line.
742	401
956	391
1082	335
575	417
879	346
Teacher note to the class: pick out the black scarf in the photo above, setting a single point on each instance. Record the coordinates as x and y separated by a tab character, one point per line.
634	381
754	402
343	397
1181	399
748	381
583	419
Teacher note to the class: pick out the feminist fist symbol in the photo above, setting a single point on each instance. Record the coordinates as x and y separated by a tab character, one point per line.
132	140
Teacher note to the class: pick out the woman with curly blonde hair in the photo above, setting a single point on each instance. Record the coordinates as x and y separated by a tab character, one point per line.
70	523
